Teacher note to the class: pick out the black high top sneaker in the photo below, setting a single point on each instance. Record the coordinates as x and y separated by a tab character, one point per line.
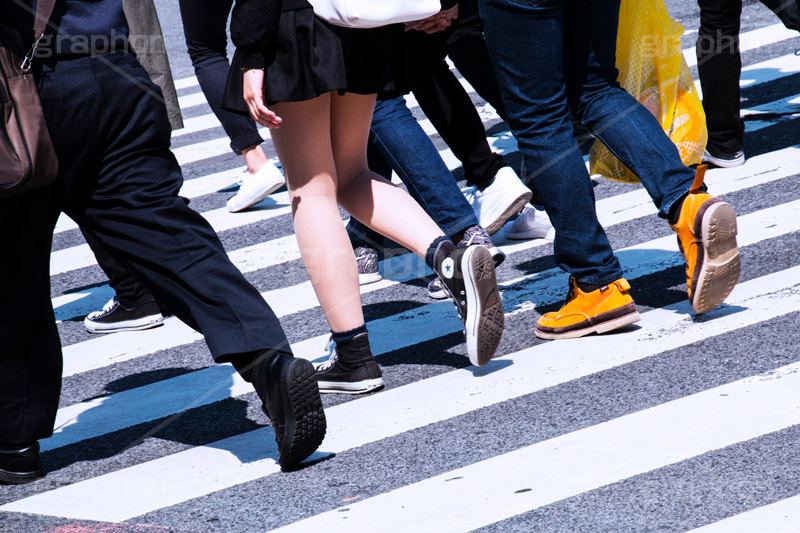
351	369
469	278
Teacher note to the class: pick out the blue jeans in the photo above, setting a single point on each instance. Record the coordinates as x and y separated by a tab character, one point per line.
553	57
398	142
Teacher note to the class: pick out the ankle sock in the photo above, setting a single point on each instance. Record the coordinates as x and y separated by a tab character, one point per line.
340	337
430	255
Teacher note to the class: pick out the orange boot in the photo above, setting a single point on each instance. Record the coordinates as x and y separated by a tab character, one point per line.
706	231
598	311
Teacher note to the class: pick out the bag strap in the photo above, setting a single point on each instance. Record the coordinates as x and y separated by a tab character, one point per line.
44	10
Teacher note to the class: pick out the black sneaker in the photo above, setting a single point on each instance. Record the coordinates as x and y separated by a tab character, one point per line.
116	317
351	369
473	235
723	160
290	399
468	276
19	463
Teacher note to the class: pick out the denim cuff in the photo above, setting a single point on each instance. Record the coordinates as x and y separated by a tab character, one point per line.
246	140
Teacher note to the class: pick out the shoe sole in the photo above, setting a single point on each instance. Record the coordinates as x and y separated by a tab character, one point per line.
603	327
305	422
485	319
16	478
718	263
259	198
498	223
365	279
723	163
358	387
129	325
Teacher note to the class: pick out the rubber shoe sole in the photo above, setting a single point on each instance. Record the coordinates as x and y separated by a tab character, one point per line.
305	422
127	325
19	478
372	277
590	327
485	319
718	264
497	224
343	387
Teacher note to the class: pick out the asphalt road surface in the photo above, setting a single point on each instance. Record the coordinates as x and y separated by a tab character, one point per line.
681	422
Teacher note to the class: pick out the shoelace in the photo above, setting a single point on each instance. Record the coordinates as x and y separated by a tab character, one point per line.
109	305
330	347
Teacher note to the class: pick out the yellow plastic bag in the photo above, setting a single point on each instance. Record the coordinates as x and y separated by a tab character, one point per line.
652	70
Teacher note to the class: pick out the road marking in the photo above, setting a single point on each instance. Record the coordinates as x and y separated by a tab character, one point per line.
751	40
534	476
779	517
418	325
205	469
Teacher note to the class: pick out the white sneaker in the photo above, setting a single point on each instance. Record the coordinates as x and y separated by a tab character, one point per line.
256	187
498	202
530	224
725	160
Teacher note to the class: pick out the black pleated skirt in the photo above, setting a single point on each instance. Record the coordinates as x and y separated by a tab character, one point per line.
312	57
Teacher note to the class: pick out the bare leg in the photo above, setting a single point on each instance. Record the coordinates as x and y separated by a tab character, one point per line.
304	147
254	158
367	196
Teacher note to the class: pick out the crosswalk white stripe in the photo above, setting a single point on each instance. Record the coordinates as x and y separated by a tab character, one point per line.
758	73
751	40
534	476
96	353
779	517
185	83
419	325
251	455
627	206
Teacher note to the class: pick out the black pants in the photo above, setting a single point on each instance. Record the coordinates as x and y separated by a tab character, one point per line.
204	26
118	180
443	99
720	66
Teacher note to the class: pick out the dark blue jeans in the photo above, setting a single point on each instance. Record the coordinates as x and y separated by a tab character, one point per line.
398	142
556	56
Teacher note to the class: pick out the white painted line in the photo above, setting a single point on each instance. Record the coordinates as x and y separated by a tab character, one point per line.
499	488
206	469
751	40
185	83
418	325
779	517
191	100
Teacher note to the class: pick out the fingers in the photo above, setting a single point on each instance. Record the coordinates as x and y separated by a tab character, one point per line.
253	97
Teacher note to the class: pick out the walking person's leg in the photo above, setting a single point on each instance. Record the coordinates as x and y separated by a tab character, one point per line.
133	306
204	26
126	195
720	67
498	193
336	173
706	226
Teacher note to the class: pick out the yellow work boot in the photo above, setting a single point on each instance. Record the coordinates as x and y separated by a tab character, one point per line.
598	311
706	231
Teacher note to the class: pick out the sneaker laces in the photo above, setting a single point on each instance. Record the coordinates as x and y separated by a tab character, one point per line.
330	348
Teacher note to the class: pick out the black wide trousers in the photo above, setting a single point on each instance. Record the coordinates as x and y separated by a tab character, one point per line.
118	180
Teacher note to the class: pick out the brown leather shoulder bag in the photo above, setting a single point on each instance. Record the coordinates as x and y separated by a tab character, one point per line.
27	157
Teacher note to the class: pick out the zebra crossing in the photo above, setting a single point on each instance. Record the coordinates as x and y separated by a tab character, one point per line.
570	435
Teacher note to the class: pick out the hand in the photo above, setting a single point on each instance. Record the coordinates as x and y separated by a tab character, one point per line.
438	22
254	98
